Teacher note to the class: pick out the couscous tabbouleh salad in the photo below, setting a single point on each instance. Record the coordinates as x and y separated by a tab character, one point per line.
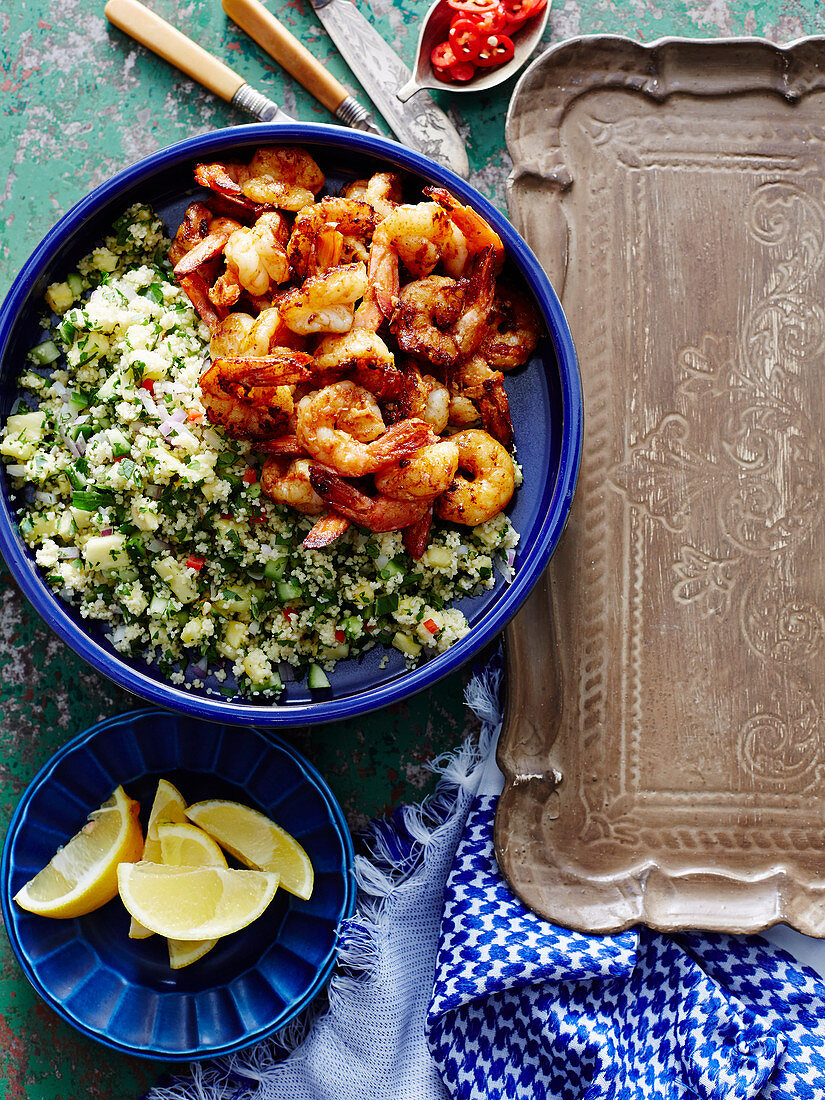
151	519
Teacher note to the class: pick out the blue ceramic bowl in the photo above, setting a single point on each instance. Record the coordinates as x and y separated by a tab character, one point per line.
122	992
545	400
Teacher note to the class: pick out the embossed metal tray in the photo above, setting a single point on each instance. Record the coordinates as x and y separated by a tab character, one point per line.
664	748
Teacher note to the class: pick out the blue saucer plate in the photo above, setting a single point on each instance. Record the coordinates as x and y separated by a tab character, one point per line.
122	992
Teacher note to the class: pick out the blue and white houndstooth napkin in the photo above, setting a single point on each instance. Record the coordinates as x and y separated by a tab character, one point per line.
449	988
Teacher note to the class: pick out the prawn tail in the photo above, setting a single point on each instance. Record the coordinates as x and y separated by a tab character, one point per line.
327	249
369	315
328	528
471	327
383	380
211	246
375	513
244	211
494	406
398	441
196	289
218	180
341	494
477	231
226	291
382	273
192	230
283	445
282	367
416	537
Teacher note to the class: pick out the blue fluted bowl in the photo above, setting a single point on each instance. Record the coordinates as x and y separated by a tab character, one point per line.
545	399
122	992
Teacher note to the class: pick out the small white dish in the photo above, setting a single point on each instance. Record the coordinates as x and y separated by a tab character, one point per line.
435	28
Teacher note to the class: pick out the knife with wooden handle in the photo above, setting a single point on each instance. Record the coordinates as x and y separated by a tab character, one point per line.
272	36
167	42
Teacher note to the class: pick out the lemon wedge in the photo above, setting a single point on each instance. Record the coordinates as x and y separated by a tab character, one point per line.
168	805
185	952
194	903
182	845
82	875
185	845
256	841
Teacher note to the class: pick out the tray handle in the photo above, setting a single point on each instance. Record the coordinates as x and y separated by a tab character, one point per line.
541	219
533	678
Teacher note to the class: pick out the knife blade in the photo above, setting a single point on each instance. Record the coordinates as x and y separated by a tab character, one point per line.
272	36
419	123
167	42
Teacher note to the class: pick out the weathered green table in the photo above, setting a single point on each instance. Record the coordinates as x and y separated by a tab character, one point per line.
78	102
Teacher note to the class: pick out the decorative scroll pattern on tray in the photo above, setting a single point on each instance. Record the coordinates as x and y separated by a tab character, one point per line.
688	233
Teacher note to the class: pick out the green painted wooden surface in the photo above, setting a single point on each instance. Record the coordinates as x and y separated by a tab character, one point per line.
78	102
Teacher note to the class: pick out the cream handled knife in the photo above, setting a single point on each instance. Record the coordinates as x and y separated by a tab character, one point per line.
252	17
162	38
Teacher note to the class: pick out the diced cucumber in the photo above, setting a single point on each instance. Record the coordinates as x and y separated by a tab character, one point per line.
274	570
287	591
120	444
44	353
86	431
391	569
352	626
66	527
75	283
107	390
159	607
316	678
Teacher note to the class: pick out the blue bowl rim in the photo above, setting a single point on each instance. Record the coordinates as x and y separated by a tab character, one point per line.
42	778
530	568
